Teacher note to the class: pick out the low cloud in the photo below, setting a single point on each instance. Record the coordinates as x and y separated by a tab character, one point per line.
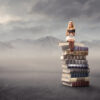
34	19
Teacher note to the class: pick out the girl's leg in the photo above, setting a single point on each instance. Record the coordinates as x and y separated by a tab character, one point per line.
71	45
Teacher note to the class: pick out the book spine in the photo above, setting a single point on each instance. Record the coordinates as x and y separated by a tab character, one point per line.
74	57
81	74
80	83
74	70
84	66
72	61
78	48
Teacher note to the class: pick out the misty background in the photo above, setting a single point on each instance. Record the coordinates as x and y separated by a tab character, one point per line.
40	55
30	31
31	69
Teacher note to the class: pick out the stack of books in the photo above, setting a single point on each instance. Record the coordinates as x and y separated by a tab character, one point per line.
75	68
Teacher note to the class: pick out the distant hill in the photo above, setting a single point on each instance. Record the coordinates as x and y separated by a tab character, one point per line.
5	46
48	43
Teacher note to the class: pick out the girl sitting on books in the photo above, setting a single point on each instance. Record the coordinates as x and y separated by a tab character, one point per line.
70	35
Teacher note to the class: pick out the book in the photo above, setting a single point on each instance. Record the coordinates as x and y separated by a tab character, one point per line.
67	44
67	70
74	79
72	75
77	65
74	66
65	47
68	52
73	61
77	84
74	57
76	48
84	66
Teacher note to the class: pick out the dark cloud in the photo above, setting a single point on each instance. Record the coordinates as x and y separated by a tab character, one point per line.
58	8
67	8
15	7
93	8
48	17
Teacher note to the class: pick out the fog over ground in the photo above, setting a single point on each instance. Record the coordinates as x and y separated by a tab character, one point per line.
31	69
40	55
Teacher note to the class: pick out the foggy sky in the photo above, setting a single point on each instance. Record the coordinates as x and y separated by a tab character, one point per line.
32	19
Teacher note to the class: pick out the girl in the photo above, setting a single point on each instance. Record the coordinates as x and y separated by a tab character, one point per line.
70	33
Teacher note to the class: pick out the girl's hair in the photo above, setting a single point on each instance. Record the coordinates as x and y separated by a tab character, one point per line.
72	25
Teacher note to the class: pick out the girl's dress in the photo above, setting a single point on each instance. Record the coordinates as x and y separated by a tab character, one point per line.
70	36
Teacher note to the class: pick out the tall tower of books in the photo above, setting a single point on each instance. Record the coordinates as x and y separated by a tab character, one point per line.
75	68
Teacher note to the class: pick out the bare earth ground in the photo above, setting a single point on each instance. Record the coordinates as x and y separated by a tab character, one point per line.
44	85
